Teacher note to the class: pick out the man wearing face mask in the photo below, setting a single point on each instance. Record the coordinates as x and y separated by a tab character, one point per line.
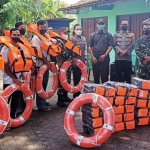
9	77
100	45
21	27
124	45
42	105
142	49
62	94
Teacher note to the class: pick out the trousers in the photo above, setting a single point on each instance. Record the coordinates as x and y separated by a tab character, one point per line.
144	72
76	78
101	70
40	102
17	102
125	67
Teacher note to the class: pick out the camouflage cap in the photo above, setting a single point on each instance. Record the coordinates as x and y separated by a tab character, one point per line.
146	22
64	29
101	20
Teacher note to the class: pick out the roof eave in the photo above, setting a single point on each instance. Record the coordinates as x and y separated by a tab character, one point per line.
82	6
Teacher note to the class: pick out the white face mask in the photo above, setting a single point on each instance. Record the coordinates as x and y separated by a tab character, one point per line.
65	36
78	32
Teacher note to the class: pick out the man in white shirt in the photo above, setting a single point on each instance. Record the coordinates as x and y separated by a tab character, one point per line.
36	41
9	77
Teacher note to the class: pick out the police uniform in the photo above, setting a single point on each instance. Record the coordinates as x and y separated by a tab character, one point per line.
142	49
124	41
81	42
61	58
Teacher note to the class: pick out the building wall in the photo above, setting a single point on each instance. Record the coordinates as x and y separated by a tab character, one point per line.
131	7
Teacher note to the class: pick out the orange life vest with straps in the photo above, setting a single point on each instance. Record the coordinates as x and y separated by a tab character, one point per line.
33	50
19	58
47	44
68	44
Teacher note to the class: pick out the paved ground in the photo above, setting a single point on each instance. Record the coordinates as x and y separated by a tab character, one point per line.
44	131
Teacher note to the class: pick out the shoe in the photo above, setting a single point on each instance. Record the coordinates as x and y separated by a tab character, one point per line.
48	104
46	109
67	99
61	104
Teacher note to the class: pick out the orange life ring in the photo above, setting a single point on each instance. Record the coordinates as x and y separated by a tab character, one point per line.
28	97
63	80
4	114
39	88
105	131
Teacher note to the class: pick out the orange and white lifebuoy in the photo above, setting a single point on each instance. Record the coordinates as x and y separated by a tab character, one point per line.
28	97
63	79
105	131
4	114
39	88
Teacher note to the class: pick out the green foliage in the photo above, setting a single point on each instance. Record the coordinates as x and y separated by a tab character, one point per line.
28	11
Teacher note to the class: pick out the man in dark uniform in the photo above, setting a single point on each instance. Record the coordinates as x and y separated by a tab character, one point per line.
142	49
100	45
62	94
124	45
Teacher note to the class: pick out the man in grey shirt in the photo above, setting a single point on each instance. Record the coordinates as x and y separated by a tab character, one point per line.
124	45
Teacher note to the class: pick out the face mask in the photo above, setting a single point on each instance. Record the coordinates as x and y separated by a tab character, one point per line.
78	32
146	32
15	39
101	27
22	31
65	36
42	31
124	28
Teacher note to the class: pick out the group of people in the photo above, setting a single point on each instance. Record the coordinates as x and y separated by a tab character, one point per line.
100	45
9	77
123	42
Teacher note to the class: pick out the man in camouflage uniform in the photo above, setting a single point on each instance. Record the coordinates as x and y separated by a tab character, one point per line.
142	49
62	94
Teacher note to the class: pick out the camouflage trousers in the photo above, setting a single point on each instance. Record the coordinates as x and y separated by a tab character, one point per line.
61	90
144	72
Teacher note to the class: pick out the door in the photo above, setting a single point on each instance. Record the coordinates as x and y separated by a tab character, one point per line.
89	26
135	22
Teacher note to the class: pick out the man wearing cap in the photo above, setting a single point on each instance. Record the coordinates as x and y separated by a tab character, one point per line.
142	49
62	94
100	45
124	45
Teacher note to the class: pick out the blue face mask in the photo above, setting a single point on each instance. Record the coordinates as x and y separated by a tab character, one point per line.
101	27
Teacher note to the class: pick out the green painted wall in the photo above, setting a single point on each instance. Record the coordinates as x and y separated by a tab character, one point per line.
132	7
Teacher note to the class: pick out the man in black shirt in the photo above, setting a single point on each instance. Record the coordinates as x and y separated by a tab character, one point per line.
100	45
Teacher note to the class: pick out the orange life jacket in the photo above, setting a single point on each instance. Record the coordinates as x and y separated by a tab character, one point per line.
33	50
68	44
47	44
20	60
1	62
